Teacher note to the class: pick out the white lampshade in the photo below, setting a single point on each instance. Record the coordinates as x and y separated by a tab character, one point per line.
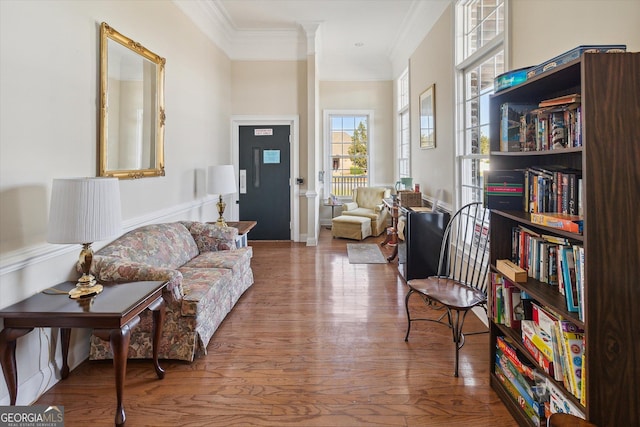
84	210
221	180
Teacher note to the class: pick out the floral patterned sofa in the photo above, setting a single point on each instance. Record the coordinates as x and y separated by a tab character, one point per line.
206	276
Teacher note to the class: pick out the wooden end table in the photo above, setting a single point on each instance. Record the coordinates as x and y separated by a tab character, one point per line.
111	314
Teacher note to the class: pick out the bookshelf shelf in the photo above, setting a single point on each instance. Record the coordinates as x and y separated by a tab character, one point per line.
609	160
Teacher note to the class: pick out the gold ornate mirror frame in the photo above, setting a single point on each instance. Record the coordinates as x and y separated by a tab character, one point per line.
132	114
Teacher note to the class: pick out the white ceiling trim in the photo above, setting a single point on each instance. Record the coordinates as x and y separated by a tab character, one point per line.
288	44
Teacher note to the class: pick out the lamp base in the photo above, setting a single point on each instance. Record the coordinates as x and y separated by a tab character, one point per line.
87	285
221	206
85	291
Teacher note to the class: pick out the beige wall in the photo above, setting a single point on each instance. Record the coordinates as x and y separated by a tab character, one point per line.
49	79
373	95
432	63
275	88
572	23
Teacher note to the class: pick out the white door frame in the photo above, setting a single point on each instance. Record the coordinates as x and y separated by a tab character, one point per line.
293	123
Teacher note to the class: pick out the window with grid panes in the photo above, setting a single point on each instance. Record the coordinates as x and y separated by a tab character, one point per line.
404	137
480	27
348	152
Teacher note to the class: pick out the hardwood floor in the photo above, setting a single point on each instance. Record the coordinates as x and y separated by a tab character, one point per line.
316	341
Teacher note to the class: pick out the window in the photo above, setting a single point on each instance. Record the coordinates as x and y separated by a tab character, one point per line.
347	146
404	137
480	29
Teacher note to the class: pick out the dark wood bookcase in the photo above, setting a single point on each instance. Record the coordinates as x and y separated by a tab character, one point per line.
610	162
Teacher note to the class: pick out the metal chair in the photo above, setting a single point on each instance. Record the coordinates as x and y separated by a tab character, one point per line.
463	268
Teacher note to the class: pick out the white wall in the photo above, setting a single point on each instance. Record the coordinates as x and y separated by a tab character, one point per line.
49	79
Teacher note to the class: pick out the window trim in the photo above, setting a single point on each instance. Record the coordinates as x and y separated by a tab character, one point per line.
501	41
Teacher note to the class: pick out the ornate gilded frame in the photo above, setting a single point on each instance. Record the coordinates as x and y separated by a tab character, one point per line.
156	160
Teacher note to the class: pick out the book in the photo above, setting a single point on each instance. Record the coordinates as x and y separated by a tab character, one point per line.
525	394
573	349
569	277
515	394
566	222
504	190
561	100
511	132
509	349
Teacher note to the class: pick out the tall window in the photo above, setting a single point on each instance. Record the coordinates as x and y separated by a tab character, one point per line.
404	137
480	30
348	151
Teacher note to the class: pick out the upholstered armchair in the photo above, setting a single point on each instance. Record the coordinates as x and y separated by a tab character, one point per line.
367	202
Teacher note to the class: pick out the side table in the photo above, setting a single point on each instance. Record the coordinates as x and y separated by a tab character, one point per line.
333	206
243	230
111	314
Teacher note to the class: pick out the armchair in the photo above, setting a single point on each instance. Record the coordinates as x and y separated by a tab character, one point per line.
367	202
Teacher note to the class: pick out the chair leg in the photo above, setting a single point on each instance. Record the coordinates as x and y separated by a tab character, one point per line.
406	306
458	337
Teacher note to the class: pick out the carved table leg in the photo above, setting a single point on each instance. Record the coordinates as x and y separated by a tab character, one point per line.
65	337
8	338
158	320
119	341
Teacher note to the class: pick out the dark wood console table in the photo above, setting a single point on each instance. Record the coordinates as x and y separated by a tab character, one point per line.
110	314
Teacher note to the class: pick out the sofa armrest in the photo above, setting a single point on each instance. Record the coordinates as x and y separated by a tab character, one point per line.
349	206
112	269
212	238
378	208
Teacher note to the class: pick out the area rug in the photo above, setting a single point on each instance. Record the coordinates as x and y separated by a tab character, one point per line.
365	253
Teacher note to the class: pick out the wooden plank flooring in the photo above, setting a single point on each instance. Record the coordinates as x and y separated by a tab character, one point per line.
316	341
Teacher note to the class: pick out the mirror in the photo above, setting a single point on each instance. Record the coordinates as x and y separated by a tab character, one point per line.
132	112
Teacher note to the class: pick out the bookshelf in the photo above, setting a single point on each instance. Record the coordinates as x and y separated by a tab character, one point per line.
609	85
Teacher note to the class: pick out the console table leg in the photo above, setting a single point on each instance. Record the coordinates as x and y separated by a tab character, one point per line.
158	320
8	338
65	337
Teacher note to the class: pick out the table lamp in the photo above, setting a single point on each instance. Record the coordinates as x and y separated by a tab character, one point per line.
221	180
84	210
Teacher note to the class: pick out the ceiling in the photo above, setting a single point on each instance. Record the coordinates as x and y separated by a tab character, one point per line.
354	39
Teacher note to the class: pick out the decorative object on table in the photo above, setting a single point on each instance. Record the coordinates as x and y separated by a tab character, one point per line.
409	198
221	181
365	253
404	184
428	118
84	210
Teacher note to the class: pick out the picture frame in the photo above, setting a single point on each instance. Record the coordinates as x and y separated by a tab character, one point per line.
428	118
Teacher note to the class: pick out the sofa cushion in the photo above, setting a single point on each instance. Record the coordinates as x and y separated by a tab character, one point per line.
205	289
159	245
234	260
210	237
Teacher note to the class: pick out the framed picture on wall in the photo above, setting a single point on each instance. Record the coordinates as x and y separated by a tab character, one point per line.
428	118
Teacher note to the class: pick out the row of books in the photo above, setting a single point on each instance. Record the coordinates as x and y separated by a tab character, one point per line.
538	396
556	344
554	260
536	189
553	189
552	124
